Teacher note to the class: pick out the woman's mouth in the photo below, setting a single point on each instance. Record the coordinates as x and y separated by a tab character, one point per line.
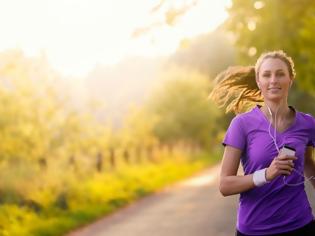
274	89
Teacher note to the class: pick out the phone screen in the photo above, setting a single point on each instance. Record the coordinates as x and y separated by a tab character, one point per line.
288	151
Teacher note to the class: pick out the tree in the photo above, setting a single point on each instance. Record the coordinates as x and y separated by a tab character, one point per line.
266	25
208	53
183	111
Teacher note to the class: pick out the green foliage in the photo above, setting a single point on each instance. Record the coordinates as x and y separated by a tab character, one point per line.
209	53
265	25
106	192
182	108
137	130
50	153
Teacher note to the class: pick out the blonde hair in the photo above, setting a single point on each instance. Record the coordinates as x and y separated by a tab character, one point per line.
236	87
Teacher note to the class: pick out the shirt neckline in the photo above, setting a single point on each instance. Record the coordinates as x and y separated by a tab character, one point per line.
257	108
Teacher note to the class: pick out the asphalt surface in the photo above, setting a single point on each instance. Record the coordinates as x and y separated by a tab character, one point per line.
193	207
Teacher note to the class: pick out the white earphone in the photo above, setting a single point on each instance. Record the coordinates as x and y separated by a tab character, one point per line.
274	138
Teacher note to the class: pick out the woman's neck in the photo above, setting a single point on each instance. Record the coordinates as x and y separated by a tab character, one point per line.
282	110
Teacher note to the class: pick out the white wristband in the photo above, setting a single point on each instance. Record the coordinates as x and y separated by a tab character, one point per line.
259	177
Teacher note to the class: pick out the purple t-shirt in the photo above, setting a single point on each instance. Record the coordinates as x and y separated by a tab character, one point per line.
274	207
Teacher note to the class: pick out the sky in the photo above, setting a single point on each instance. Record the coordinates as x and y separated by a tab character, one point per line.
77	35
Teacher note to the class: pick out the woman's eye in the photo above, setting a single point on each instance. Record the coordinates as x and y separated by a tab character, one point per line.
266	75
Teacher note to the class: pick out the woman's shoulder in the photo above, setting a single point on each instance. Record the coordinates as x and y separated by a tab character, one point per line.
246	119
248	115
307	118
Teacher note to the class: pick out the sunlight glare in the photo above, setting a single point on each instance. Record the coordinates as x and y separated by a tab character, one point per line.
77	35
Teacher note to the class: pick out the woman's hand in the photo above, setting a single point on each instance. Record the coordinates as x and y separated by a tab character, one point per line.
281	165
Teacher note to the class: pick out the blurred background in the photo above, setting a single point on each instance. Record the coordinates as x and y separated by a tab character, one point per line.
109	98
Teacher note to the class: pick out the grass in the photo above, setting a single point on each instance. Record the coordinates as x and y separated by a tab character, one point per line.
86	200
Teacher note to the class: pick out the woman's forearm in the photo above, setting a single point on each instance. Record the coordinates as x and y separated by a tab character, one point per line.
230	185
309	167
310	173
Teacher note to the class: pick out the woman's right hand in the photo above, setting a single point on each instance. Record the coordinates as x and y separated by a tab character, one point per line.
281	165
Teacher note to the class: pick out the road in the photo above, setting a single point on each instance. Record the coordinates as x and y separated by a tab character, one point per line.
192	207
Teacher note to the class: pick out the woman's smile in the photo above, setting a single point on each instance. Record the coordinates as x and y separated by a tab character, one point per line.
274	89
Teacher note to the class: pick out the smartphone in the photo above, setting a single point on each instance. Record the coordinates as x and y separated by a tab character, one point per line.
288	150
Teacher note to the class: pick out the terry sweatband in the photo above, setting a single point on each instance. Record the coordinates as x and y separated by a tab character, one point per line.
259	177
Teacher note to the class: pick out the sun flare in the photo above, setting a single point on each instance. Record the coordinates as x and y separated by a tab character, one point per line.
76	35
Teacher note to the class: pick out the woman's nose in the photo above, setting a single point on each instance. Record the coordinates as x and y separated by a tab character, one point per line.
273	78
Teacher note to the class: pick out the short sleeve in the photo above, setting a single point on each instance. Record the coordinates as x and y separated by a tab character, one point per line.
235	135
310	121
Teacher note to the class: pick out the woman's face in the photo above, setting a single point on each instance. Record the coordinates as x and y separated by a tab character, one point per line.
274	80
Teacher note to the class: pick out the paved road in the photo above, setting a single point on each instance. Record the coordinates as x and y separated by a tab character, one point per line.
190	208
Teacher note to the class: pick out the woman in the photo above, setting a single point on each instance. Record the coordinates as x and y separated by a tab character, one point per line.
274	142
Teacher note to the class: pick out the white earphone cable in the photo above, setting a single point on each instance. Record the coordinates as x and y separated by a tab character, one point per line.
274	138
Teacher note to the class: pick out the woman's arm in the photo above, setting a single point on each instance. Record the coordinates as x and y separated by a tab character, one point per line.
309	167
230	183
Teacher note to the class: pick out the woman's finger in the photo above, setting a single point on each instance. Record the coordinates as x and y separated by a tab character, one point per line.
285	172
284	167
285	162
285	157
